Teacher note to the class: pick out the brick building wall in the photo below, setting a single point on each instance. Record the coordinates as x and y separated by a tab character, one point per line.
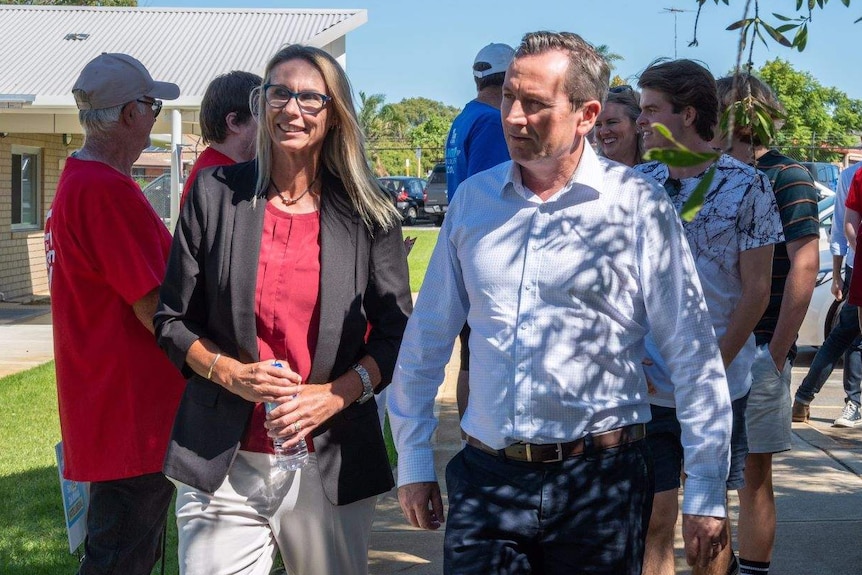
23	274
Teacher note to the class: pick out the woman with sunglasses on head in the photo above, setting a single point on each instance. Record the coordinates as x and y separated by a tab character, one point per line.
277	267
616	131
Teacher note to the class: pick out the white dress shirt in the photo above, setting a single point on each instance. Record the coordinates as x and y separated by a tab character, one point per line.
559	295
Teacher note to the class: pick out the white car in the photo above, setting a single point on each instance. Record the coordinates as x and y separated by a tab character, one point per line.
823	310
823	191
822	314
826	209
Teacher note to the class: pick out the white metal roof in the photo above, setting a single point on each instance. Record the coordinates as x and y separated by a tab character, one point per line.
43	48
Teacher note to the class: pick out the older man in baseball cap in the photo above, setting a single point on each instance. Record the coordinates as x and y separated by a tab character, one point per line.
106	252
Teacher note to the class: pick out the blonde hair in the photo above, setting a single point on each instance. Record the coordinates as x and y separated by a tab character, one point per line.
343	153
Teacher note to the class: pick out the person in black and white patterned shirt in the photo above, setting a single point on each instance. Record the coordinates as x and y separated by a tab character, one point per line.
731	239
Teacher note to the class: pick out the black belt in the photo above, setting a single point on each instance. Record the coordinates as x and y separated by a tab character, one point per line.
554	452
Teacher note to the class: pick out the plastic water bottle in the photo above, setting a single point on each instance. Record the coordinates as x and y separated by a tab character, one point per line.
287	458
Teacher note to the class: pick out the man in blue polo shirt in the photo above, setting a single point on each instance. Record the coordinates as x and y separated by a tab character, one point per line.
476	143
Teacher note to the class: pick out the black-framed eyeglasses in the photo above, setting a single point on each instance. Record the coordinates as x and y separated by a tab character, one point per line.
620	89
156	105
277	96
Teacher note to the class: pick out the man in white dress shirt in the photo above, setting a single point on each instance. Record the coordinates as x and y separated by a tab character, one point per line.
559	260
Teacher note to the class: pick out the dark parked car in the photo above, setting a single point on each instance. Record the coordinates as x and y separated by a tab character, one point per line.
408	194
436	198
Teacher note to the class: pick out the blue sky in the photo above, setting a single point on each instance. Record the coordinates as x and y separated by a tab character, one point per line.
426	47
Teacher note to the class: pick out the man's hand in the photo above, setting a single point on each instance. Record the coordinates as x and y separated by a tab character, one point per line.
422	504
704	537
837	288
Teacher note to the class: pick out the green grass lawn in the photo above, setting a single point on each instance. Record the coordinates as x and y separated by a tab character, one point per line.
32	533
32	529
420	254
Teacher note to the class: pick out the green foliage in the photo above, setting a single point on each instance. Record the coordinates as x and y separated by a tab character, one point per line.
818	119
411	112
374	123
695	201
751	116
431	133
677	155
394	131
753	28
610	57
680	156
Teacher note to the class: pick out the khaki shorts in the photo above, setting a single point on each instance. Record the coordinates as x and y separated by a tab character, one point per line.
767	417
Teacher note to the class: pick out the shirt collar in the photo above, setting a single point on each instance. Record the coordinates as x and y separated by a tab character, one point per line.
589	173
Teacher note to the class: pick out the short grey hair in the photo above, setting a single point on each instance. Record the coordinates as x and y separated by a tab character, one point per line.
103	120
588	75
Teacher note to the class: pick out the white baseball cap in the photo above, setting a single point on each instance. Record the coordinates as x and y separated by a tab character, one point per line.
492	59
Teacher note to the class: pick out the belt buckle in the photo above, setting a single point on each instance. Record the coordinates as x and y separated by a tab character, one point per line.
558	446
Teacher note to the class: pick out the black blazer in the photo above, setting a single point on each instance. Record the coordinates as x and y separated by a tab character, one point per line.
209	291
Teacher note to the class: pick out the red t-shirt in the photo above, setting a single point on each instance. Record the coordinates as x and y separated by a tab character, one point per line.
106	248
854	202
208	158
854	193
286	303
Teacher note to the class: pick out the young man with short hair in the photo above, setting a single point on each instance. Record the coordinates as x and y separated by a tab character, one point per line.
731	238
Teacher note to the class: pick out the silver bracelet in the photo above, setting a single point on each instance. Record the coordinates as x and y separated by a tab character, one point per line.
212	365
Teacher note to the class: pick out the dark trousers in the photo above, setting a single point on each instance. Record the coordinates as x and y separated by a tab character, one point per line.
125	521
843	340
587	514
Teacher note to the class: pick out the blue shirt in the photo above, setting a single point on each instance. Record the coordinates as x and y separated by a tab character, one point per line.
475	143
559	296
838	244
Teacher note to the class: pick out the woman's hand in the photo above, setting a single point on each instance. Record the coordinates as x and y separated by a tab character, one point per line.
259	382
314	404
303	413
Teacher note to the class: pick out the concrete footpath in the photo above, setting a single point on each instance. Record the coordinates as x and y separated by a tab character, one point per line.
818	487
818	484
26	339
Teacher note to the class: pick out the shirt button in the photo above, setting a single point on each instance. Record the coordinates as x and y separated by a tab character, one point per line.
520	368
523	326
520	410
528	287
535	247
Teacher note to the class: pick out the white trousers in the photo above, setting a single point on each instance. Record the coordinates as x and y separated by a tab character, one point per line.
258	510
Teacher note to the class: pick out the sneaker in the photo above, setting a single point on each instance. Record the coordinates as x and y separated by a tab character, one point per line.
801	411
850	417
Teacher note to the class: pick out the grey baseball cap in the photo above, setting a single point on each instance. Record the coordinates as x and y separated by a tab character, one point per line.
110	80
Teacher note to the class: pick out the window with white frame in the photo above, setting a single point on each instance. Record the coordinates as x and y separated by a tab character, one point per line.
26	188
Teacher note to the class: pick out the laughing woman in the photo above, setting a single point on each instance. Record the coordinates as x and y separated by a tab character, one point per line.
286	259
616	131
